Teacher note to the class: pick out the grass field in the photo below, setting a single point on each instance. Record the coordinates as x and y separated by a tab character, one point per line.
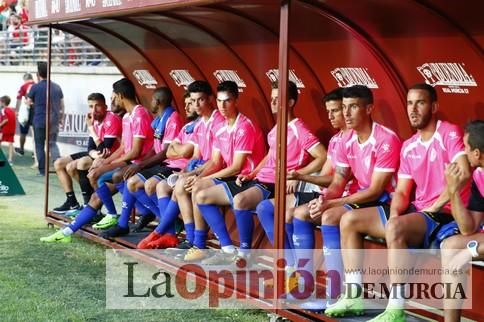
64	282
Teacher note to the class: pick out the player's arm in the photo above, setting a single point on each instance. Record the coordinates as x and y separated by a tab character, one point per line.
135	151
232	170
401	197
337	186
179	150
444	197
468	218
211	166
323	179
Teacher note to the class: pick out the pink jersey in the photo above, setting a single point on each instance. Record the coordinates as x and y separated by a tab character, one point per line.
379	153
242	137
478	177
183	138
300	141
336	140
110	127
425	162
172	128
139	126
204	132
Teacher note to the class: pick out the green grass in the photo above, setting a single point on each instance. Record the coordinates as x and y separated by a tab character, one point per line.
64	282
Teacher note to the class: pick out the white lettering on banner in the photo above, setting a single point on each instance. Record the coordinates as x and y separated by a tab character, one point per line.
74	126
90	3
145	78
181	77
451	75
273	75
112	3
40	8
72	6
55	6
223	75
3	188
349	76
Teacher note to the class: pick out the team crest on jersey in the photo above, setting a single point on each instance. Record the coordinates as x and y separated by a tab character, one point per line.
386	147
451	75
453	135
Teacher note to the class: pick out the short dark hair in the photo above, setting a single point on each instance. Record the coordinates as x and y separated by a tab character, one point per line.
358	91
335	95
292	92
97	97
5	100
426	87
27	76
229	86
42	69
200	86
163	95
126	88
475	129
186	95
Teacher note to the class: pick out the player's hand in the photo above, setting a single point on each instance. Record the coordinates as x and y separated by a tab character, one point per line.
291	186
189	182
131	171
104	153
453	175
317	207
243	178
97	163
293	175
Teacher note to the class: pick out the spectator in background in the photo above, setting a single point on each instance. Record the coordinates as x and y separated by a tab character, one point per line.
25	112
18	33
24	11
7	125
37	95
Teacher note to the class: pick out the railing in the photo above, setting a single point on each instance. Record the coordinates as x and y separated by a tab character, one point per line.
29	45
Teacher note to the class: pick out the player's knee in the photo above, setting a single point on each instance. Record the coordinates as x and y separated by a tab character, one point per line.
84	163
394	230
150	186
118	177
349	221
71	168
95	201
242	201
163	189
331	217
202	197
132	183
301	213
60	164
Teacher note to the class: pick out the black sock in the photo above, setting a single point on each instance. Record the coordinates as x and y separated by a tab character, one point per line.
71	198
85	184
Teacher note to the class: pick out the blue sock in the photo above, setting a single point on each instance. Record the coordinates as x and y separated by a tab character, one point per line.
245	226
189	231
200	238
215	219
289	233
83	218
265	212
105	195
303	239
126	208
162	203
120	186
141	209
147	202
168	217
333	259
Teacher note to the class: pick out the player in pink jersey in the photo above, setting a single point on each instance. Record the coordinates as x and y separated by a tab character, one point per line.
139	127
409	224
201	99
459	249
142	186
104	129
306	154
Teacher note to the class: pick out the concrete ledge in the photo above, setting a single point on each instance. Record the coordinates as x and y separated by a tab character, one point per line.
80	70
